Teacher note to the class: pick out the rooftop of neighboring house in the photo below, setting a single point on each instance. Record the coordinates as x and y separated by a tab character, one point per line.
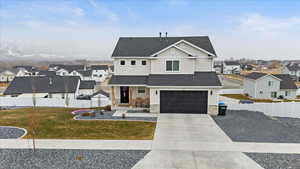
99	67
12	70
26	67
70	68
87	84
112	68
286	82
293	66
43	84
232	63
46	73
147	46
85	73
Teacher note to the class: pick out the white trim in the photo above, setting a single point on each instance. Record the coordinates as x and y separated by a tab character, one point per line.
25	131
172	45
188	87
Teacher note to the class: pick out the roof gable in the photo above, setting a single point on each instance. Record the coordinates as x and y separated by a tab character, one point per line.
147	46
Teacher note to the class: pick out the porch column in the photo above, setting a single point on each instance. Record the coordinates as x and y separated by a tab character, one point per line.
113	98
130	96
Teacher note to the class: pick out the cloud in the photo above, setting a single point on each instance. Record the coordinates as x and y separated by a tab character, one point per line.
268	27
78	11
103	10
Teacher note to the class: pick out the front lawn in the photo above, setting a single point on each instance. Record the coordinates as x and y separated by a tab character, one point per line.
243	97
58	123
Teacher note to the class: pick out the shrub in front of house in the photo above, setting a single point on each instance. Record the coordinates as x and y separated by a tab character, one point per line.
86	114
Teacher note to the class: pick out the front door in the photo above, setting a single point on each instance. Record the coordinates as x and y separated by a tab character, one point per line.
124	93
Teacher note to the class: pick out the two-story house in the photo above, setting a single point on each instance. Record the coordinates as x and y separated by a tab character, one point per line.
166	74
292	69
231	67
269	86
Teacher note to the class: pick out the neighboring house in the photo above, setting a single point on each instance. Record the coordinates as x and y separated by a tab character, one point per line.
231	67
292	69
62	72
45	73
99	72
87	87
166	74
218	68
247	67
85	74
7	75
44	87
111	69
269	86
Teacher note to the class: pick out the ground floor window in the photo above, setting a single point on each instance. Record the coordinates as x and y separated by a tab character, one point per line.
286	93
274	94
141	90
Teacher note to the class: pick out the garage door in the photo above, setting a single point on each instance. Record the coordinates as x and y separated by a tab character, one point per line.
183	102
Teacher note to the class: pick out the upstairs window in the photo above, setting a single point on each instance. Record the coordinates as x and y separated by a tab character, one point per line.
122	62
133	62
144	62
270	83
172	65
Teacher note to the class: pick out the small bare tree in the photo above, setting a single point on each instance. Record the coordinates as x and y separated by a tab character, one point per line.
66	92
32	116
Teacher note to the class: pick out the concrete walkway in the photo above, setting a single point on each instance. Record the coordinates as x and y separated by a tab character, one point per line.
179	142
77	144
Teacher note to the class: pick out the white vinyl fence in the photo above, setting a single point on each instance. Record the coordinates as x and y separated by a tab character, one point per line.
284	109
231	91
53	102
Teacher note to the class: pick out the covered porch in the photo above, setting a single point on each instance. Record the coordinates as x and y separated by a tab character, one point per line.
130	96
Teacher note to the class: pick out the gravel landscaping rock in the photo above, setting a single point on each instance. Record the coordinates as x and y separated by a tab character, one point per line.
109	116
11	132
276	161
73	159
249	126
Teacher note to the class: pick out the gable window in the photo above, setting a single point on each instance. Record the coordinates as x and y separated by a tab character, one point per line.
172	65
144	62
270	83
133	62
122	62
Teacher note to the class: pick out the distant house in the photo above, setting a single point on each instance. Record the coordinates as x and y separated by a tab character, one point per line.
247	67
87	87
44	87
111	69
99	72
7	75
231	67
218	68
85	74
293	69
269	86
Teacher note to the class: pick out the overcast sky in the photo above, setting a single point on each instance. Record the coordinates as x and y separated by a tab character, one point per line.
264	29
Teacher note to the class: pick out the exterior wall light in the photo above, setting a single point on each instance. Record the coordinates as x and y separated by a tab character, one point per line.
211	92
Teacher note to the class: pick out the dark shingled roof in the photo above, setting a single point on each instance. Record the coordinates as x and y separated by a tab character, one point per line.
99	67
287	82
70	68
293	66
87	84
85	73
232	63
112	68
255	75
146	46
128	80
43	84
100	92
46	73
197	79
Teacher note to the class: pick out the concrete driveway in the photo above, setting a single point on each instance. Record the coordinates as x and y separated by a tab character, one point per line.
177	139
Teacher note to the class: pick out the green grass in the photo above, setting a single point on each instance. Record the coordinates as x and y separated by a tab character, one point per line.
298	97
58	123
243	97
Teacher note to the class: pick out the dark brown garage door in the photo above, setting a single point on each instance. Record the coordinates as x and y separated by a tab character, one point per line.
183	102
